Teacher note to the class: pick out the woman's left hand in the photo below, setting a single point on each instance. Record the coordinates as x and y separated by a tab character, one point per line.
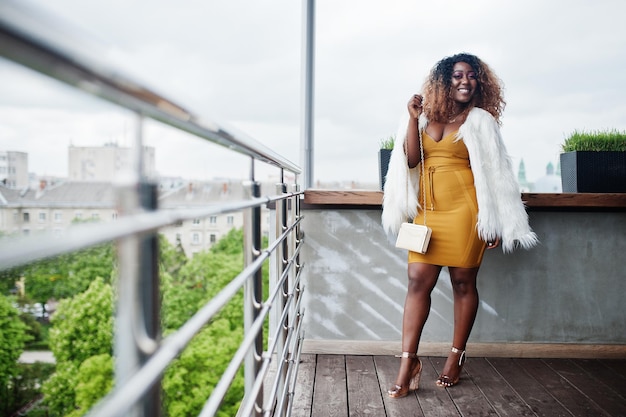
493	244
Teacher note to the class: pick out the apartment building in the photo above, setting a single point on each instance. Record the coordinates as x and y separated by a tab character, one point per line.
53	208
14	169
202	233
104	163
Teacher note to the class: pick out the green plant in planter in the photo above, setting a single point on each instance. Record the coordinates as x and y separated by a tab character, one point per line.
387	143
384	154
599	140
594	162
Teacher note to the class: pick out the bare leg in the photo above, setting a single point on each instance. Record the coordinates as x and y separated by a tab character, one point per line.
465	309
422	281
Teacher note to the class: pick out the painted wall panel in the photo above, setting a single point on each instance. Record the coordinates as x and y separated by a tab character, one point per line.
566	290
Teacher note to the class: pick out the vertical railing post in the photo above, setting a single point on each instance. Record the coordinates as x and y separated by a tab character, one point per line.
297	239
282	256
253	292
149	290
296	315
137	313
291	291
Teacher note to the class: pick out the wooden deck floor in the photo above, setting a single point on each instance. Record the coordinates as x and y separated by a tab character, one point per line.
338	385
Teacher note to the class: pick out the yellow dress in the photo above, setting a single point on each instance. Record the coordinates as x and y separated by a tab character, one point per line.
451	208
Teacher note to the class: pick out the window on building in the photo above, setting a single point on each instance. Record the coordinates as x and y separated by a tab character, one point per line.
26	217
78	215
195	238
42	217
58	217
213	219
213	238
230	220
196	221
179	223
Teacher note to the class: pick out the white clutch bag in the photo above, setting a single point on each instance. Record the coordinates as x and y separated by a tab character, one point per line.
414	237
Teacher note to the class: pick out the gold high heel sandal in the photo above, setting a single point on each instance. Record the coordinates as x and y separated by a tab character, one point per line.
399	391
445	381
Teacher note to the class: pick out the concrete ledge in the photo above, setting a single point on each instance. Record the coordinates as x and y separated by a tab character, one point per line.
563	201
491	350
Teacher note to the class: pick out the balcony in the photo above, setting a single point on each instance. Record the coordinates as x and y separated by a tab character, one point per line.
549	338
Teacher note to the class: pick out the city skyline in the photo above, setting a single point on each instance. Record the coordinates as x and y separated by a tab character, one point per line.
79	153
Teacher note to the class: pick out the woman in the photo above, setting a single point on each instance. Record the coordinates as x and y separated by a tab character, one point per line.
471	200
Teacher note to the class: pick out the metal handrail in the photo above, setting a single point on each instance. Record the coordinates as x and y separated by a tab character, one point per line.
34	41
117	401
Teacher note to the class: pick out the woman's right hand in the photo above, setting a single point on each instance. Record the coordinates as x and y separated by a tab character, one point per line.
416	106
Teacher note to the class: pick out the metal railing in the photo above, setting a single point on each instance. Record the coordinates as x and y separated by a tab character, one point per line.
29	39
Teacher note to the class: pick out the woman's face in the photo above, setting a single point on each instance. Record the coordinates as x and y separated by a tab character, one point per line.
464	82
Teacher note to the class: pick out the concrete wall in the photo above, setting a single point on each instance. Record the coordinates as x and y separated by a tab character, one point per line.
569	289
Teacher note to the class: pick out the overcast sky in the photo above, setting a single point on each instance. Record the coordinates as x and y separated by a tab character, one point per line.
239	62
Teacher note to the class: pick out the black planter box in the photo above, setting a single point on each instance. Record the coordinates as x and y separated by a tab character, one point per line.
383	164
593	172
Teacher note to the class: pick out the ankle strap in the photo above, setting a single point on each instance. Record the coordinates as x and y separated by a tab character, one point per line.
461	357
407	355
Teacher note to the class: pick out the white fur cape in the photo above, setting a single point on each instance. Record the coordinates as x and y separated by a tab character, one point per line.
501	212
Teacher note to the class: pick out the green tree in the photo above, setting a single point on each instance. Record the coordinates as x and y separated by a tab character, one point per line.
12	338
95	377
83	325
231	243
63	276
171	257
70	274
59	392
189	381
81	340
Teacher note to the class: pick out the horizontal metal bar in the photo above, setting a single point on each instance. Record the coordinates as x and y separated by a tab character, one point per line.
24	249
47	46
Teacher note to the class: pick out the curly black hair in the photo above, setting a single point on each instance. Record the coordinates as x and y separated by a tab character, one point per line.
438	97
